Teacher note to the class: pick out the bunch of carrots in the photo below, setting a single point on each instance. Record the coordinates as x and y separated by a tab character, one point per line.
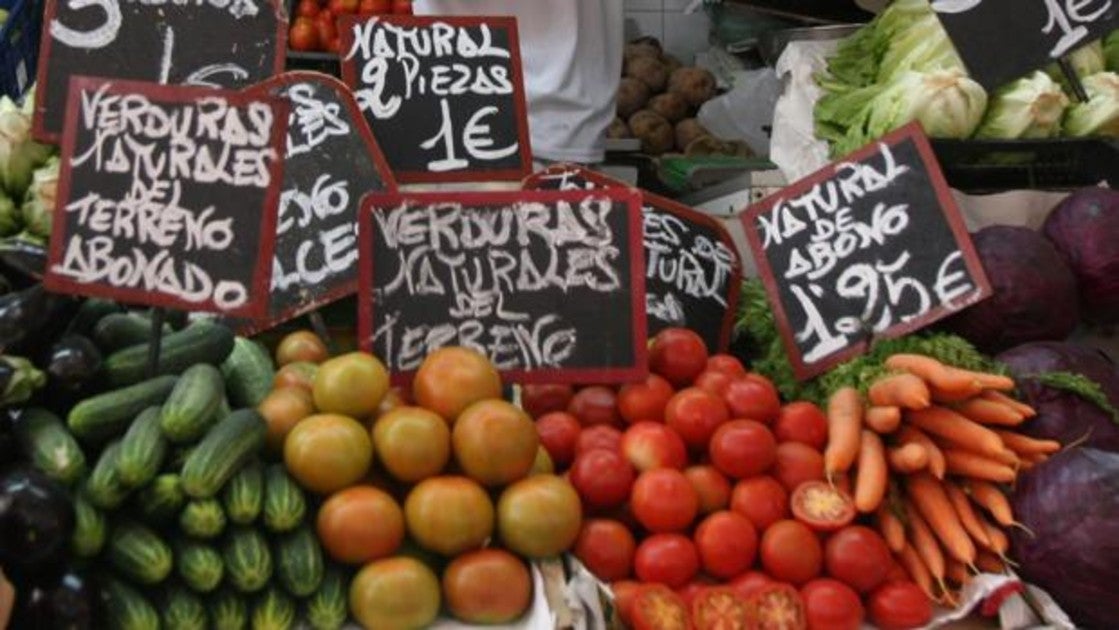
925	454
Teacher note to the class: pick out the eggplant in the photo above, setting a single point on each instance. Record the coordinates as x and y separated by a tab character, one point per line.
30	317
66	602
9	447
23	262
36	522
72	363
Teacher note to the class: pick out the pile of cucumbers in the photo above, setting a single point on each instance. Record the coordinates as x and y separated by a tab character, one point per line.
183	521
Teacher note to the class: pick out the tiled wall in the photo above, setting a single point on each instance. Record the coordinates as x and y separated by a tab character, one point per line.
682	35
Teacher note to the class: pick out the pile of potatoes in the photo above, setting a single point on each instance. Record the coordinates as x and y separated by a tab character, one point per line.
657	101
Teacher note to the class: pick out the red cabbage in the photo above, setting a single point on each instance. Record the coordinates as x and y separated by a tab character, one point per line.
1071	505
1063	415
1034	292
1085	230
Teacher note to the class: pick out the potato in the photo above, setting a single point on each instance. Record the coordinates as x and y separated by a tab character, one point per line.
671	63
632	96
618	129
653	130
687	130
648	70
643	47
670	105
696	85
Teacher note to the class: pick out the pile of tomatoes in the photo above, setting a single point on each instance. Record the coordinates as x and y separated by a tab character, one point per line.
706	506
314	26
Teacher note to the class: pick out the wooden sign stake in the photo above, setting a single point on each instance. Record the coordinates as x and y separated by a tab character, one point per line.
158	315
1074	80
318	324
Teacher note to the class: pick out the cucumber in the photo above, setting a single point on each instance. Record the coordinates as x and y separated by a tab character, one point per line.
273	610
328	608
49	445
299	562
110	414
201	342
125	608
224	450
183	610
103	487
193	405
142	449
89	314
243	496
138	553
178	457
89	529
248	372
161	500
284	502
118	331
203	519
199	566
248	563
228	611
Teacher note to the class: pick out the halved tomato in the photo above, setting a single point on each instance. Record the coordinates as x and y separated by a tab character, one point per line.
822	507
721	609
657	607
778	607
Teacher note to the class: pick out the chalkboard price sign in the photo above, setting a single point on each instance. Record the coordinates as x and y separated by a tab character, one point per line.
692	272
331	161
228	44
167	195
1002	40
549	285
443	95
873	246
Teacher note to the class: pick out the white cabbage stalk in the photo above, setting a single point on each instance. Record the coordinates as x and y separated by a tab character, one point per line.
38	207
1111	51
19	154
10	221
1085	61
1099	116
923	46
1031	107
946	102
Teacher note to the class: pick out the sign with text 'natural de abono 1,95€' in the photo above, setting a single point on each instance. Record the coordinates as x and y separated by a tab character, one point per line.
869	247
549	285
444	96
211	43
167	196
1001	40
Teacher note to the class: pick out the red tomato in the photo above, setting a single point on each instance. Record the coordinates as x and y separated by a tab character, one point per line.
334	45
689	591
606	548
559	433
763	500
714	382
749	583
753	397
598	437
602	478
742	448
656	607
375	7
678	354
711	486
721	609
779	607
822	507
727	364
402	7
341	7
897	573
542	398
858	556
593	405
625	595
307	8
797	463
669	559
645	400
328	30
831	605
650	445
791	552
899	606
663	500
695	414
802	422
304	35
727	544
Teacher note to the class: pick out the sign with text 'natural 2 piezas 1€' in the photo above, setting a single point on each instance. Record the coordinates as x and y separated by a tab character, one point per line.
331	161
1002	40
692	271
549	285
210	43
444	95
167	196
869	247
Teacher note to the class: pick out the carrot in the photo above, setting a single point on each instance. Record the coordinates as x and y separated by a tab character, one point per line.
956	572
997	382
1025	445
923	540
1008	457
930	499
908	458
1000	543
968	464
845	419
935	373
991	499
947	396
990	563
891	527
986	411
918	572
999	397
870	486
968	518
883	419
958	430
900	390
912	435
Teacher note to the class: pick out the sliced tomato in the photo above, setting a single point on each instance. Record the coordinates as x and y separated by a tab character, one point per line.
721	609
822	507
778	607
657	607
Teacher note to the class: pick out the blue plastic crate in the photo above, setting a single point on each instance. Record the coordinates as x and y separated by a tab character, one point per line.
19	45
